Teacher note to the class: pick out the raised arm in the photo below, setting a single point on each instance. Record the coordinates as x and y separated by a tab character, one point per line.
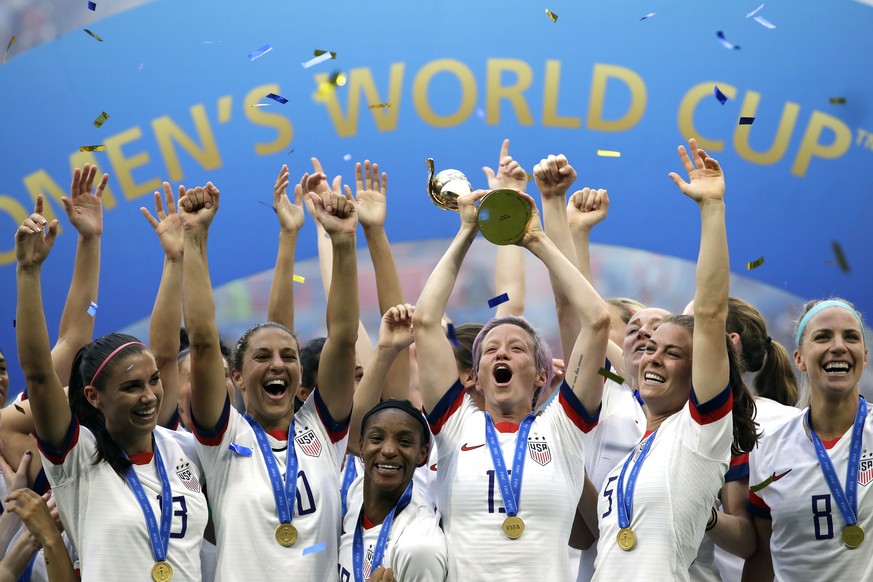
197	208
709	368
166	316
437	370
51	412
336	377
589	351
290	215
395	337
85	212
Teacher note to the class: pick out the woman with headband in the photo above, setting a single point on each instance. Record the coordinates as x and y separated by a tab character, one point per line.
810	480
129	492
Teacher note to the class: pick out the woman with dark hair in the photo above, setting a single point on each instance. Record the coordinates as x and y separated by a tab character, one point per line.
123	485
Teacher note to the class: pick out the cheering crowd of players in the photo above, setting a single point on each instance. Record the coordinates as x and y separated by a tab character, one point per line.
443	452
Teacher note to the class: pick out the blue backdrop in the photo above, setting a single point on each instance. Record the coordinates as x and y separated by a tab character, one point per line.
459	76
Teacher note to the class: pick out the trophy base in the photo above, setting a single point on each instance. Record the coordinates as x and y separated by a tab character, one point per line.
503	217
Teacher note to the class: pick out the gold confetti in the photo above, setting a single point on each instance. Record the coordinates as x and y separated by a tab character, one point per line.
528	176
8	46
840	256
611	376
338	78
299	279
318	53
837	100
94	35
755	264
379	106
552	15
19	409
101	119
94	148
608	154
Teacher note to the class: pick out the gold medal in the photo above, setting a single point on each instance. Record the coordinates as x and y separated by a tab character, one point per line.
853	536
162	571
626	539
286	534
513	527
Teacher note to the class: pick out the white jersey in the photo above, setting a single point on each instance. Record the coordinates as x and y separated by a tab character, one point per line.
675	492
621	426
416	547
469	493
243	506
103	518
807	539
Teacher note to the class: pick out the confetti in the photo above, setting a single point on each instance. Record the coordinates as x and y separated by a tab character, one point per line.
379	106
92	309
92	6
13	323
93	35
101	119
755	11
722	98
260	52
495	301
450	331
725	42
278	98
647	16
19	409
610	376
837	100
840	256
338	78
314	61
747	120
299	278
764	22
318	53
315	549
260	105
347	157
270	206
8	46
94	148
240	450
140	66
552	15
608	154
755	264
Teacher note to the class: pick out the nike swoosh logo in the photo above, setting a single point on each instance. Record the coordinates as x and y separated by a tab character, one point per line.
466	447
768	481
433	467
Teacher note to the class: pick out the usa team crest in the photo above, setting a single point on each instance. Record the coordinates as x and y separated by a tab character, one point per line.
865	469
187	476
539	450
308	443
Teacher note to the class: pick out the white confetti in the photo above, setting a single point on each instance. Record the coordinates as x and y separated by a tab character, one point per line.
755	11
764	22
315	60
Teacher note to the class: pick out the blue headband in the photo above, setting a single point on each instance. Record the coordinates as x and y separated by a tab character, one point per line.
824	305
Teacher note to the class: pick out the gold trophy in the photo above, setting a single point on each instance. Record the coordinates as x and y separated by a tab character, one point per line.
502	214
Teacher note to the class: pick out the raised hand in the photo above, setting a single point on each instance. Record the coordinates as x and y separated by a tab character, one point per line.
198	207
336	213
84	208
705	177
290	214
16	479
371	195
35	513
317	184
396	329
554	175
467	207
509	173
167	225
587	208
534	229
34	238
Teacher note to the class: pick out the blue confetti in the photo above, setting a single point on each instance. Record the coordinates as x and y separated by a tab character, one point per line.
725	42
722	98
92	309
647	16
278	98
495	301
260	52
315	549
452	337
240	450
92	6
747	120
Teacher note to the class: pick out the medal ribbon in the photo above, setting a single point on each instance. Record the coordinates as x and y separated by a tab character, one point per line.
510	490
159	536
351	471
846	501
625	497
287	495
381	542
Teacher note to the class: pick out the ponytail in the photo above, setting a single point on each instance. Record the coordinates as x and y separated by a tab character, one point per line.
776	380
